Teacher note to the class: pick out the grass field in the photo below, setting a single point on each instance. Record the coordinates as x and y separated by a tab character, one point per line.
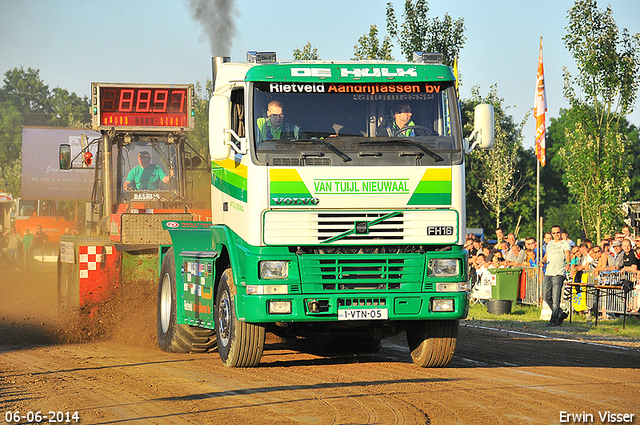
528	317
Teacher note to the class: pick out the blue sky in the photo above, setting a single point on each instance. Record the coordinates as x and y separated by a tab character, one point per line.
75	42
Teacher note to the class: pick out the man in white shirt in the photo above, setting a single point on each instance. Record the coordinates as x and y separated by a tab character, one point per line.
557	257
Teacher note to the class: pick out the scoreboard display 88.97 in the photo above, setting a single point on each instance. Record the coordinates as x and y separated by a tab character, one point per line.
146	107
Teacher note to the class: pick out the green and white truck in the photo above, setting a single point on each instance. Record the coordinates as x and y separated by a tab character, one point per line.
339	226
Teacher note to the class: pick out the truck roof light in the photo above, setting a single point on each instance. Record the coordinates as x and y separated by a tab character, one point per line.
427	57
261	57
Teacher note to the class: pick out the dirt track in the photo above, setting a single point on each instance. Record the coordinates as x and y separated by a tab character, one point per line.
497	376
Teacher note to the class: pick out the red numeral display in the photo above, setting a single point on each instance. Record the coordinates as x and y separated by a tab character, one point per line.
160	100
126	101
143	107
144	101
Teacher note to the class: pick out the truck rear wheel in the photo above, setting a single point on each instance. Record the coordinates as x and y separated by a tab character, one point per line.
240	344
172	337
433	343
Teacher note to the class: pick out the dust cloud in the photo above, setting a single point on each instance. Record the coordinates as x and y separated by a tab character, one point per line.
29	313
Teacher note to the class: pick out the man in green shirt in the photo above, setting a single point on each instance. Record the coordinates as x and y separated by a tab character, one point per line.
274	127
27	241
146	176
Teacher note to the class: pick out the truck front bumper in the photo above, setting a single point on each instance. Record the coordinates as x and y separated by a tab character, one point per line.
330	307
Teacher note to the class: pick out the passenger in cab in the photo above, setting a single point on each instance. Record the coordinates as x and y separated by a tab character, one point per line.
401	118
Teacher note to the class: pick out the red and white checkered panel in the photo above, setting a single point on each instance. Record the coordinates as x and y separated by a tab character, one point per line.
89	257
98	272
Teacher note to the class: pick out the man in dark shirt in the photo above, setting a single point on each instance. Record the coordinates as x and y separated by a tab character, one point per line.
40	239
629	261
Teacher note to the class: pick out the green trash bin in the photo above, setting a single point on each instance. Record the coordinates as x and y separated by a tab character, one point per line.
507	284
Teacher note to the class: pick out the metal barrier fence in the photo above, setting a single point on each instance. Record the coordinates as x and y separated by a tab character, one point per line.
611	301
533	288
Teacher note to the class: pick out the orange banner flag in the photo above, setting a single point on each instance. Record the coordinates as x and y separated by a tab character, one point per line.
539	112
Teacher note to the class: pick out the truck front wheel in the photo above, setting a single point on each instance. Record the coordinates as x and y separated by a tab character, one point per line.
240	344
432	343
172	337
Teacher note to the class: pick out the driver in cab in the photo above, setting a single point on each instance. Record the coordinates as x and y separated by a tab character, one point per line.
274	126
146	176
401	120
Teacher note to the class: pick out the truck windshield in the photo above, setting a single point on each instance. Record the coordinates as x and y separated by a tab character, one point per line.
356	124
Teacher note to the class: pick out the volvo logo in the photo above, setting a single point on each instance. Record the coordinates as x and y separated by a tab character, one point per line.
362	227
296	201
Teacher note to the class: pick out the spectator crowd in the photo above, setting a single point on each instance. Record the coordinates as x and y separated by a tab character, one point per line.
18	249
620	252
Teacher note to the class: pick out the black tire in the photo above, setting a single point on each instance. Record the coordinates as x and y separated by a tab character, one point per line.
172	337
240	344
433	343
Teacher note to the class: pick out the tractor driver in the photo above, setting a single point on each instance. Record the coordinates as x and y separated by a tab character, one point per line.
146	176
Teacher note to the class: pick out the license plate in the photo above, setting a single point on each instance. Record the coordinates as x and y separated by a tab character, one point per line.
363	314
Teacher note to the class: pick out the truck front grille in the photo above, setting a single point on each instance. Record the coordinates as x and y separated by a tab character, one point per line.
330	224
330	228
360	272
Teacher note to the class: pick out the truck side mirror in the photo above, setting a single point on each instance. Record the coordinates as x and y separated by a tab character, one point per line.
222	138
483	128
484	125
65	157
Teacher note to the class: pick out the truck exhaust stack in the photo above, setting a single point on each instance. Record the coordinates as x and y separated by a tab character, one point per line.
216	61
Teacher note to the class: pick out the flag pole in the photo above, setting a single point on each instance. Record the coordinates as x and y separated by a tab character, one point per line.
538	232
539	114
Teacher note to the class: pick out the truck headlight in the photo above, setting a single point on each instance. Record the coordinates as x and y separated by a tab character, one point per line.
279	307
453	287
274	269
443	305
443	267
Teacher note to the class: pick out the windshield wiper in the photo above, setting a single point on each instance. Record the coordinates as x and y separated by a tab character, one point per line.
344	156
432	154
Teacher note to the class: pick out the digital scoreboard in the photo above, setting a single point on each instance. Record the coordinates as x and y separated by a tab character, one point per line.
142	107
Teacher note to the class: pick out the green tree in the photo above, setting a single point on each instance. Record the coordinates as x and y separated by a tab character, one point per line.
10	174
11	122
595	155
28	94
308	53
596	166
492	175
369	47
555	205
198	145
68	109
633	135
420	33
25	100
